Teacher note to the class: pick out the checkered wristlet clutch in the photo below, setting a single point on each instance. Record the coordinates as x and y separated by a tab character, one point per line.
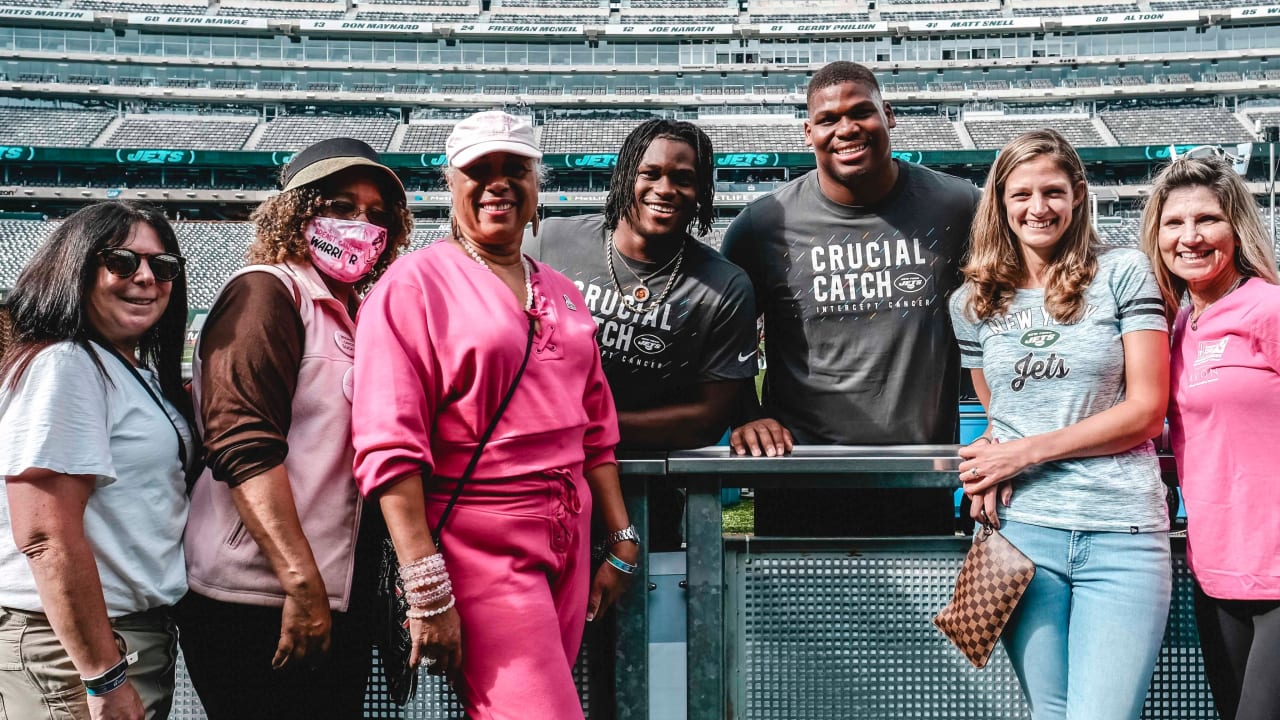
992	580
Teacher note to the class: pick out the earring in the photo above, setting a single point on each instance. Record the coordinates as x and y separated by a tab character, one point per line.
535	220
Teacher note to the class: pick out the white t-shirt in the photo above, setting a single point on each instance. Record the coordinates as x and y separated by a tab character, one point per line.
64	417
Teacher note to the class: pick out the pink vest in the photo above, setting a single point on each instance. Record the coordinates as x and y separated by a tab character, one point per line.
223	561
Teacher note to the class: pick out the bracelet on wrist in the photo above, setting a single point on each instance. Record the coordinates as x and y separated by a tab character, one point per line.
627	534
110	680
620	565
418	613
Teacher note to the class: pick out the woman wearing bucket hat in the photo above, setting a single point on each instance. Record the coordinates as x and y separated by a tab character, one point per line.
442	341
281	567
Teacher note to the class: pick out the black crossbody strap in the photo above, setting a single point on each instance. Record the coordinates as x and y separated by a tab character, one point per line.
484	439
182	445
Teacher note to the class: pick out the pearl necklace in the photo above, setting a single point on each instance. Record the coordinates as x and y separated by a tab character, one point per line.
524	265
1195	316
636	299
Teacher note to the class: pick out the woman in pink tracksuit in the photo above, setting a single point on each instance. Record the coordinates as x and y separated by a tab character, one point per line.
440	340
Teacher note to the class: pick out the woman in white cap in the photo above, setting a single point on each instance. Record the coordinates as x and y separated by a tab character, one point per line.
281	567
443	340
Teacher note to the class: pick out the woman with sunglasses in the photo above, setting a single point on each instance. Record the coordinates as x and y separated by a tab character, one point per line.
280	562
94	439
1209	246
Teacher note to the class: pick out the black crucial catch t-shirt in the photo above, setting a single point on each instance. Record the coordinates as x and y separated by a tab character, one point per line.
704	330
857	336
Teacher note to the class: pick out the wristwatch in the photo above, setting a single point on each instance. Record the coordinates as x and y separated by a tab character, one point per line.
626	533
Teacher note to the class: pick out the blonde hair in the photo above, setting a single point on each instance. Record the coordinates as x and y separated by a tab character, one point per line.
996	266
1254	257
280	229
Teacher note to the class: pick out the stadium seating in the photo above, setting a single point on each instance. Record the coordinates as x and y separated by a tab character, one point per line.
428	138
1180	125
1264	118
1060	11
923	132
297	132
564	136
787	138
52	128
188	133
554	4
995	134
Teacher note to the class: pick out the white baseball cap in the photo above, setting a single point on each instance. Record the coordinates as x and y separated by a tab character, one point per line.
489	132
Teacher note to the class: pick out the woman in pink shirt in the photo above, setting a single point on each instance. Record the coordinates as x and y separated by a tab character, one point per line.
442	338
1207	242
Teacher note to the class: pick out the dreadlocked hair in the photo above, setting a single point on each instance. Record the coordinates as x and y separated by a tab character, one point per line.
996	265
622	196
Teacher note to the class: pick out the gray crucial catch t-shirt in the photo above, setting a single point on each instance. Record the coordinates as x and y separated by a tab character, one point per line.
1045	375
704	331
857	337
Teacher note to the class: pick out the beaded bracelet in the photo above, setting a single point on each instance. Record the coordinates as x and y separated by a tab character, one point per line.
427	580
621	565
427	597
110	680
422	613
422	567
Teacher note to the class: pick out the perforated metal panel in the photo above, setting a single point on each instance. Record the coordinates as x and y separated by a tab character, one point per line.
847	634
434	701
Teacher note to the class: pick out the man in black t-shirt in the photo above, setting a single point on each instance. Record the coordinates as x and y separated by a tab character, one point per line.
852	264
676	321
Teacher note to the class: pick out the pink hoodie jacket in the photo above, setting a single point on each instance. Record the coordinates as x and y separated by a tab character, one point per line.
440	338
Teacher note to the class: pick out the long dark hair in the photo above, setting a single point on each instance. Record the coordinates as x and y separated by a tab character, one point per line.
48	301
622	187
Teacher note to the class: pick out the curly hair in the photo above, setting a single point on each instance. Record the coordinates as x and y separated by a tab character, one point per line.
280	227
1254	255
996	265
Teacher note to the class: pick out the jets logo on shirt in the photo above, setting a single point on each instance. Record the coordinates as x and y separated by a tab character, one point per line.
909	282
650	344
1039	339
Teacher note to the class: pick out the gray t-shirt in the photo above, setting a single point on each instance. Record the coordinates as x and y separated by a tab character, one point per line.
1045	375
704	331
859	346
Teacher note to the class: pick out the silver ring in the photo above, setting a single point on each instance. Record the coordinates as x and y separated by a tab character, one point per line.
974	472
429	661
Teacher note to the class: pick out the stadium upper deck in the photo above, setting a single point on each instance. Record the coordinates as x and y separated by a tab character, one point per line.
160	99
630	53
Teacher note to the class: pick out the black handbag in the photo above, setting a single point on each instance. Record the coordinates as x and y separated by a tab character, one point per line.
392	621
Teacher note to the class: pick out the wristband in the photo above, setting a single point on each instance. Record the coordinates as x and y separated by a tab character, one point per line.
620	565
110	680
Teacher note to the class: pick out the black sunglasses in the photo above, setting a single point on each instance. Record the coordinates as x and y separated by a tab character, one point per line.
347	210
123	263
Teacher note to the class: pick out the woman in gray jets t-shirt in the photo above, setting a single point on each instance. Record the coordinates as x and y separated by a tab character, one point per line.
1068	348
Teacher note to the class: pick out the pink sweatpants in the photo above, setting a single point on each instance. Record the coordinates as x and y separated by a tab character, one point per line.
518	552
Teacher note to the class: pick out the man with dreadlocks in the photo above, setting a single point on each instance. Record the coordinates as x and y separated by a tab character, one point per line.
852	264
676	321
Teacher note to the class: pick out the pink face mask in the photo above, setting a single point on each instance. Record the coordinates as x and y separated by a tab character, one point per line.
345	250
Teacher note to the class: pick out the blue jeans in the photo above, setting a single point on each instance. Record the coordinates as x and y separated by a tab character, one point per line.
1085	637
